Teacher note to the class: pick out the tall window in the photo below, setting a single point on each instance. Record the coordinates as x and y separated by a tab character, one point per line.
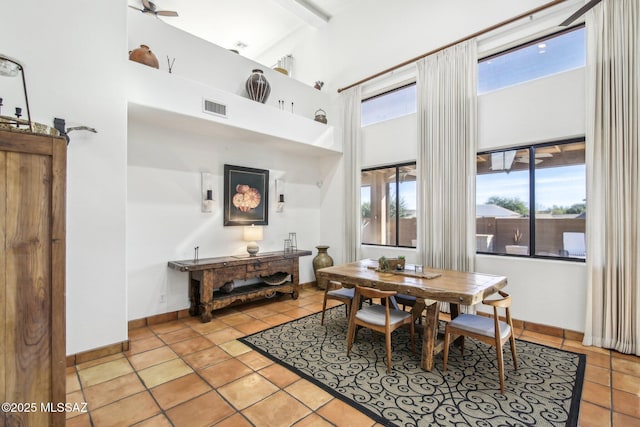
389	105
542	57
532	201
388	206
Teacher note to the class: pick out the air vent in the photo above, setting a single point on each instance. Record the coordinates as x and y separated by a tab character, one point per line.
214	108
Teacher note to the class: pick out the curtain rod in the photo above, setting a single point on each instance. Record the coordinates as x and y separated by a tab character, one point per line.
464	39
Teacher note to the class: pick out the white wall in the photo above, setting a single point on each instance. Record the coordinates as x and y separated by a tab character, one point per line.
164	218
73	53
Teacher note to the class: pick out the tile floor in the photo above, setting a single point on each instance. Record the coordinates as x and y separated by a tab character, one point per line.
188	373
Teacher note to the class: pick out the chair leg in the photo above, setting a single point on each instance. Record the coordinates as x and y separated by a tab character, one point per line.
500	365
413	340
324	307
446	348
513	351
388	342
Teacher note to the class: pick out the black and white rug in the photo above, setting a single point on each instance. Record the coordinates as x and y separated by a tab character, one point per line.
544	391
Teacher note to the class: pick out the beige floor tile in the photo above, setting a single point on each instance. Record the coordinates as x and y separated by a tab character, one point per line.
252	327
313	420
159	420
596	394
224	335
236	420
598	375
254	360
144	344
237	393
140	333
204	410
260	312
179	390
309	394
235	348
279	375
225	372
77	400
73	383
207	357
165	328
622	420
209	327
277	319
626	366
104	372
152	357
625	382
126	412
81	420
191	345
341	414
179	335
297	312
109	391
626	403
277	410
237	319
167	371
100	361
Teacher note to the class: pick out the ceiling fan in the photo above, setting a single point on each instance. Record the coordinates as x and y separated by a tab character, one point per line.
150	8
578	13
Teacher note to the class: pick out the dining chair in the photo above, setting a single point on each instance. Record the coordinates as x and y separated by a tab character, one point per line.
378	317
335	291
492	331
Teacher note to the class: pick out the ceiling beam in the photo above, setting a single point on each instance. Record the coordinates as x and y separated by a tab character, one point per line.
306	11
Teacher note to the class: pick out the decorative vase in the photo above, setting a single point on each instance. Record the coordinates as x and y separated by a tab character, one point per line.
144	56
322	260
258	88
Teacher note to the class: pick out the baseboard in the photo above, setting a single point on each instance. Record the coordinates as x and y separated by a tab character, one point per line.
86	356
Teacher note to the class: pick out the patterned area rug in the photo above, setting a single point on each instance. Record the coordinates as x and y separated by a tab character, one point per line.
544	391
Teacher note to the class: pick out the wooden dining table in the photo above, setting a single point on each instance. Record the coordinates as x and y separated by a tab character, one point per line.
431	287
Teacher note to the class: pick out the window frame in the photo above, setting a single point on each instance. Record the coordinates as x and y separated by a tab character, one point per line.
532	198
397	167
524	45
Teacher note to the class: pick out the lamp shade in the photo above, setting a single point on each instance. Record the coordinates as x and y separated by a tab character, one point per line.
252	233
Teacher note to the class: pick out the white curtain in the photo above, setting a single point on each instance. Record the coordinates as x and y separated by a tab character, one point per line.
446	162
613	176
351	102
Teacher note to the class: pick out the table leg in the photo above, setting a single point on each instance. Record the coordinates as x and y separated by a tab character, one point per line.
206	295
430	335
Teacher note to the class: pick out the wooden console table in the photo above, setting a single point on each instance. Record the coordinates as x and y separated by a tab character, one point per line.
207	277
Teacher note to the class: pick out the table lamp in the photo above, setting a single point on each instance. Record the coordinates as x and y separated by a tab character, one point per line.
251	235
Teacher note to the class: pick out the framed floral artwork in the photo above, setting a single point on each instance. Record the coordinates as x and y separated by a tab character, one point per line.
246	196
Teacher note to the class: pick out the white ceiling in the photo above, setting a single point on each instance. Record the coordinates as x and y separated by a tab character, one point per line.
259	24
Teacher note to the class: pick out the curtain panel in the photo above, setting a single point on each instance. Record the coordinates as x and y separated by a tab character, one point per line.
446	163
351	139
613	176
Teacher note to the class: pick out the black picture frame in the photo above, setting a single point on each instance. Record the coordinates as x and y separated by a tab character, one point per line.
246	196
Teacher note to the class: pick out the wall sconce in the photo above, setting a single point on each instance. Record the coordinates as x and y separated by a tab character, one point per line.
10	68
207	192
252	234
280	193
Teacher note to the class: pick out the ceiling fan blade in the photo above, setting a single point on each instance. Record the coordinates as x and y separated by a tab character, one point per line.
167	13
133	7
579	13
146	4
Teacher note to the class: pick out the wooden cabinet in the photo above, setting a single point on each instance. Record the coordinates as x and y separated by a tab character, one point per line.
208	276
32	277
